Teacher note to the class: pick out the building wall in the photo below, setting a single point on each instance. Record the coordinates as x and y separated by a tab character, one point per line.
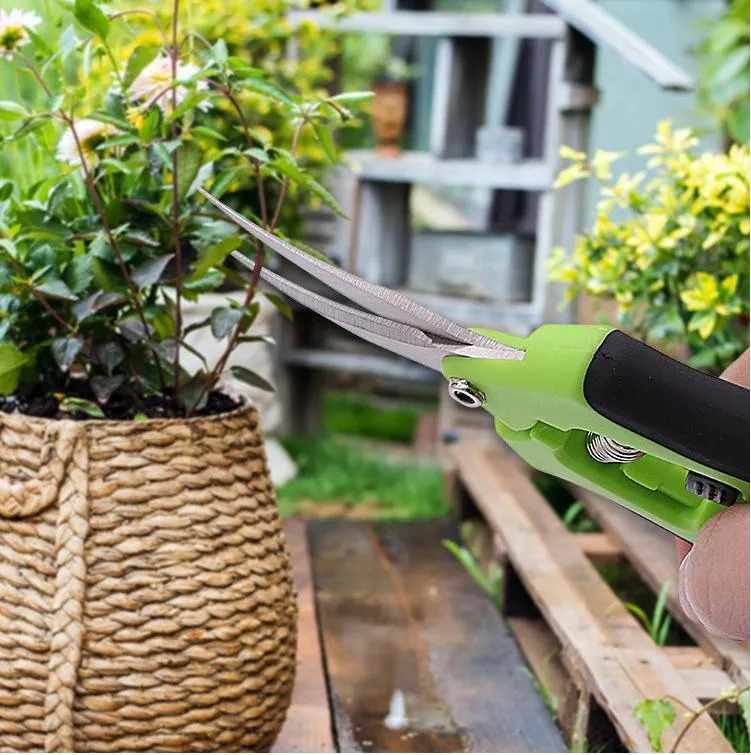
631	105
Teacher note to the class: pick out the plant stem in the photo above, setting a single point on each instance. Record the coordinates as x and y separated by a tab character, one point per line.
34	71
176	211
252	285
286	182
249	141
89	181
704	708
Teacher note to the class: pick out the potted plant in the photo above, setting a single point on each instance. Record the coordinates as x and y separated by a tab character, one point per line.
147	596
390	105
669	245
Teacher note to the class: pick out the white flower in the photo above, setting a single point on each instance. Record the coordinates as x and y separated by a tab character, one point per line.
152	85
13	25
90	135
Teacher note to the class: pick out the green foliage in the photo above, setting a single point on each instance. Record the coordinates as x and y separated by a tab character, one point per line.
332	471
723	90
489	581
99	253
658	624
670	245
576	520
656	716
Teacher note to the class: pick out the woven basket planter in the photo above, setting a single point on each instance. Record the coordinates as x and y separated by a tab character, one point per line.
146	594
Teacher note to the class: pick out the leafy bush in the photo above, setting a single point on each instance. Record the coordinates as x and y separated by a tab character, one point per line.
723	89
670	245
98	257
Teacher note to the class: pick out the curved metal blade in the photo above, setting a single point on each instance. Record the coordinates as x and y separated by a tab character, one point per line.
397	337
370	296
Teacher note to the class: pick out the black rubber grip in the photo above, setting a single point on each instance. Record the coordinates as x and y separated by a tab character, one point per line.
696	415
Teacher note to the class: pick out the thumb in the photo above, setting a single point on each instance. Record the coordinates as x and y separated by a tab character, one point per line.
713	579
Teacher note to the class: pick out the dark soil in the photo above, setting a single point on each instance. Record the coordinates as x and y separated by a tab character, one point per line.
117	408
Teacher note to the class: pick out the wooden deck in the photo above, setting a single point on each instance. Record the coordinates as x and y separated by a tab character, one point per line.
400	651
597	661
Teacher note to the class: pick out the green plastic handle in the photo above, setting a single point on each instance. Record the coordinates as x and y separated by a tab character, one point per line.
540	412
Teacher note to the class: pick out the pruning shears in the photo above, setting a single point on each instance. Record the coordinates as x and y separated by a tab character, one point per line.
585	403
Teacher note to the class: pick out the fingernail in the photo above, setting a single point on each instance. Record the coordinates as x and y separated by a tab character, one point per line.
685	592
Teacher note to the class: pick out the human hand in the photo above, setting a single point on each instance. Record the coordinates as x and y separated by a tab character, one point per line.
713	576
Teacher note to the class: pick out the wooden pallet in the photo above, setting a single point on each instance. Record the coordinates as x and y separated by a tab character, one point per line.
387	608
585	647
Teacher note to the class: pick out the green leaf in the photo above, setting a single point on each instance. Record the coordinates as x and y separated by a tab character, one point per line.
111	119
12	111
11	363
104	386
656	716
224	180
214	256
251	378
96	302
138	60
743	704
220	51
56	289
224	320
91	17
150	272
109	354
71	405
327	141
208	133
150	124
279	303
201	284
189	157
267	89
351	98
242	68
188	104
65	351
43	47
288	167
191	389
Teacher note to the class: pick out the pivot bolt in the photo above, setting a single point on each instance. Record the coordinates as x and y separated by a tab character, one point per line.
464	393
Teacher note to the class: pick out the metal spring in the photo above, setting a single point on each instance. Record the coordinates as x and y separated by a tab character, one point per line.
610	451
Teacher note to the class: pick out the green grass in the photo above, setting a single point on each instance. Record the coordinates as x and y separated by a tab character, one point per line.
354	414
735	731
332	471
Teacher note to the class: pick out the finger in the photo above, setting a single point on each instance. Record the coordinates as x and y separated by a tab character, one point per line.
738	371
714	576
682	547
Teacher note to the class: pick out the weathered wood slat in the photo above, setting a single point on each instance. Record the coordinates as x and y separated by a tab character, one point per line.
402	622
599	546
438	24
423	168
616	659
308	727
652	552
604	29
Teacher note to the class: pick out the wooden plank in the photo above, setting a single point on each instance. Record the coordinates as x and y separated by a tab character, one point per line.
308	727
651	551
616	658
438	24
421	167
599	547
688	656
402	622
604	29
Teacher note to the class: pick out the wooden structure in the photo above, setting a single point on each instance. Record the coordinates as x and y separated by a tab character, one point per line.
376	190
400	651
585	647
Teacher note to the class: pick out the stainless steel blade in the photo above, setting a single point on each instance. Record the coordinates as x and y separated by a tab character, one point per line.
396	337
374	298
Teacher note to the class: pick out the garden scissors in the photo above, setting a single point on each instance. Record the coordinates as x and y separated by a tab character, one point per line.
585	403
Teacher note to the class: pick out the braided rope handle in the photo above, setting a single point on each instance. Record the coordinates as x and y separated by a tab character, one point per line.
24	499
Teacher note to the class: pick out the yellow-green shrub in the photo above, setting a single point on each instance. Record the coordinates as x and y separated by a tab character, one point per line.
669	244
